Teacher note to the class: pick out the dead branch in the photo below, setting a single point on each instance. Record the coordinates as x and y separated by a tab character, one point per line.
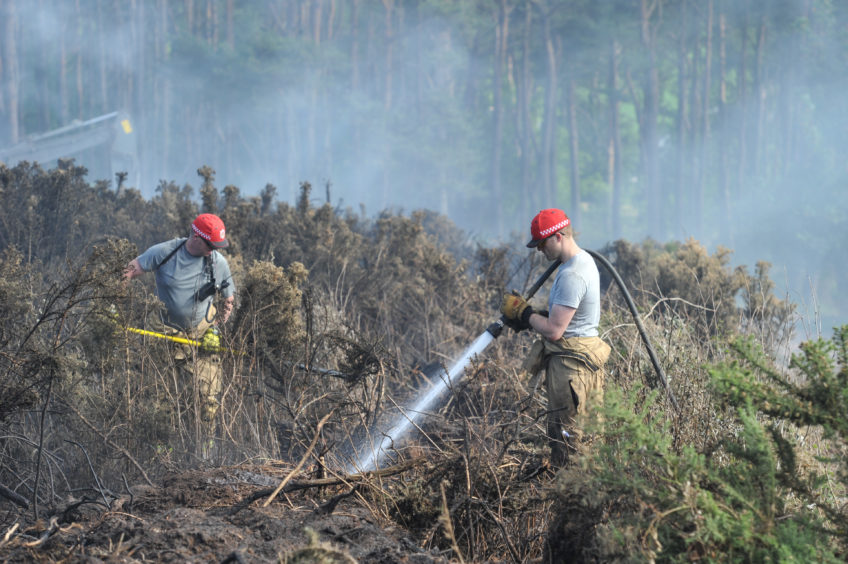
52	527
296	485
447	524
9	534
329	506
14	496
300	464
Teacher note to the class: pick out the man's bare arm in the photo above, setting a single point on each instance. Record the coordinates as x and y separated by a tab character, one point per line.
553	326
133	270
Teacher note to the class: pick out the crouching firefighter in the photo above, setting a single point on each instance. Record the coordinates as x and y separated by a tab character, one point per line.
570	350
190	272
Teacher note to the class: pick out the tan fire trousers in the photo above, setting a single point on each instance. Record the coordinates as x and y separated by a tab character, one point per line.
574	379
200	371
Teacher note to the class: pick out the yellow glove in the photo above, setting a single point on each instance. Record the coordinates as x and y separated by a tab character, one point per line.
513	306
517	311
211	341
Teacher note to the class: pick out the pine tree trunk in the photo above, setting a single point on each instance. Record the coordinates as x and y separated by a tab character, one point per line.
78	47
548	160
317	17
724	164
759	100
649	117
742	103
389	52
573	151
614	165
523	114
388	78
101	60
63	74
501	36
704	141
11	71
45	92
354	46
189	9
680	174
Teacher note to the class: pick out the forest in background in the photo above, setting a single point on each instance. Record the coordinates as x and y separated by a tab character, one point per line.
721	120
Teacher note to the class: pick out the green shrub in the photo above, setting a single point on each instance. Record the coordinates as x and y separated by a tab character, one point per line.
633	498
812	395
756	494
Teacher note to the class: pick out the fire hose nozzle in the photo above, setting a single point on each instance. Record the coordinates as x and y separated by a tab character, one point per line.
496	327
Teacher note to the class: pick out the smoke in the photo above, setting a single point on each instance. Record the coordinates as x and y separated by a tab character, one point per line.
287	103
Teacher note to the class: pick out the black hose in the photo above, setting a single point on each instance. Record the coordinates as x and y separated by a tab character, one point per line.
603	260
496	327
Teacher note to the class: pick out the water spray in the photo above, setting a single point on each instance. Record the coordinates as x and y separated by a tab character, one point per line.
371	454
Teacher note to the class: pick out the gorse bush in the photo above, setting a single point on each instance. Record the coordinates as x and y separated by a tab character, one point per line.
349	317
812	395
746	499
685	281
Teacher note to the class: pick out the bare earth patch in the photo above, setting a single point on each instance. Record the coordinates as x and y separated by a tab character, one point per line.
208	516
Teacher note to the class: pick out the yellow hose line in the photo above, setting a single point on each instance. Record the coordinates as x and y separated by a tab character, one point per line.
182	340
163	336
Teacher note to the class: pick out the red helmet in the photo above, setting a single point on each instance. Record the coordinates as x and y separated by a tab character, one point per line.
211	228
546	223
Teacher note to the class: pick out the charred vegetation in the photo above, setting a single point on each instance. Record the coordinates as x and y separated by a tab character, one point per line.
339	317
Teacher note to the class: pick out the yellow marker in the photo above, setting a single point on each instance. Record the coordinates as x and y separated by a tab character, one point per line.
125	123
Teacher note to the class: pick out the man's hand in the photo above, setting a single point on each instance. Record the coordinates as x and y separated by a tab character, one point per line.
516	310
133	270
226	310
515	324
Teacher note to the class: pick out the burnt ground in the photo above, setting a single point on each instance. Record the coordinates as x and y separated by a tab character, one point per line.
216	515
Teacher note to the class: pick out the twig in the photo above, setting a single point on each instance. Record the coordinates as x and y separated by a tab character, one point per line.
93	473
300	464
129	491
445	519
14	496
41	446
9	534
295	485
52	527
112	444
500	525
329	506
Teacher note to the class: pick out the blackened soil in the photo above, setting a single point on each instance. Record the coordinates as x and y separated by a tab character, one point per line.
204	516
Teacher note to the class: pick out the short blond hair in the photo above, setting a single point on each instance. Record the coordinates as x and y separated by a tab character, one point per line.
567	231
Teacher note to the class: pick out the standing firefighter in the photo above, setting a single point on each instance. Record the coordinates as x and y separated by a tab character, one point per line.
189	273
570	350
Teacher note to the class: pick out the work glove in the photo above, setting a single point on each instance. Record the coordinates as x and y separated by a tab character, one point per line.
515	324
211	341
517	311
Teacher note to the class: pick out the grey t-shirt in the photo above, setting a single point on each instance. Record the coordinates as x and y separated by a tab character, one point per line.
578	285
181	276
